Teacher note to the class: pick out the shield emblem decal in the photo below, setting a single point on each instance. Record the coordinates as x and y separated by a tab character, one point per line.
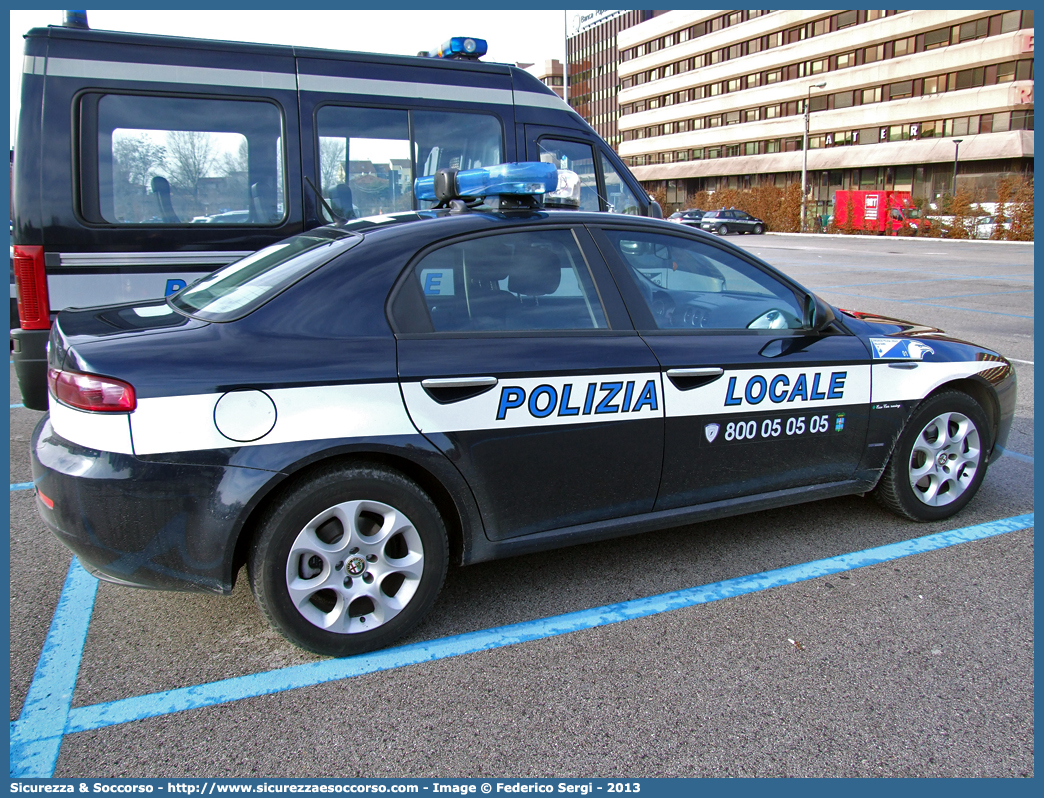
711	431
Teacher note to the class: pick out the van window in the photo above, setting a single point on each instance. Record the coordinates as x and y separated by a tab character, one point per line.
175	160
621	198
364	160
576	157
455	141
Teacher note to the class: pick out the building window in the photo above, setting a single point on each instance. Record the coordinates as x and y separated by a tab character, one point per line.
820	26
905	46
752	115
934	85
871	95
871	54
976	29
732	151
753	81
1010	22
1022	120
815	67
844	99
969	78
936	38
845	60
772	145
735	84
773	77
772	111
750	148
754	46
773	40
732	118
713	152
897	91
846	19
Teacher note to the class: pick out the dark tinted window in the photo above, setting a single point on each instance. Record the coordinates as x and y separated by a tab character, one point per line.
241	287
689	284
516	281
174	160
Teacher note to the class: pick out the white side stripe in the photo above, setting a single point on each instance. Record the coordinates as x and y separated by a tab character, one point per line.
398	88
765	390
213	258
898	384
169	73
107	432
186	423
540	402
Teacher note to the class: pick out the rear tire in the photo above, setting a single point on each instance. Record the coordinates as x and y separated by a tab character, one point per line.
349	560
939	461
723	229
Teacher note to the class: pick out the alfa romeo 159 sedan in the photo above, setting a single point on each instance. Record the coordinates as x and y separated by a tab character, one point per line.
350	410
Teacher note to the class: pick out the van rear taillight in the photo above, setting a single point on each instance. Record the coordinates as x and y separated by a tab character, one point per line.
34	309
91	392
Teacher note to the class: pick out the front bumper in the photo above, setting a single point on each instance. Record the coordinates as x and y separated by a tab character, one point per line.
146	524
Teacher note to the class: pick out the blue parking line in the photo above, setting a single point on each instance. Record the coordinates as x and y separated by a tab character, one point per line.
21	486
17	405
45	714
1017	455
940	279
139	707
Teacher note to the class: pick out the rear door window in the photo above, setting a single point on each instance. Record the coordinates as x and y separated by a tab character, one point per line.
536	280
181	161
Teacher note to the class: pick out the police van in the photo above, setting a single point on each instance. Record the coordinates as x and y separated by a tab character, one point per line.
143	162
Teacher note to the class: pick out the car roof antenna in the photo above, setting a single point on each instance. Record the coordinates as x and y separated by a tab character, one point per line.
335	216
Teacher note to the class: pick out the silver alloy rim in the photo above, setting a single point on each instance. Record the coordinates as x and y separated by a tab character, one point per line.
944	459
354	567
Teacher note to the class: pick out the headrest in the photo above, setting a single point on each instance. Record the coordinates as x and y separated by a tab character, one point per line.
536	271
487	266
160	185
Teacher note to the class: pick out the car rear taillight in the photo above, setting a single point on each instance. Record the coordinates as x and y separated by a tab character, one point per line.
34	309
91	392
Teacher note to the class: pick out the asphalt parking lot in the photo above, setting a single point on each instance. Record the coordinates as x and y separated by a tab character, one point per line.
916	666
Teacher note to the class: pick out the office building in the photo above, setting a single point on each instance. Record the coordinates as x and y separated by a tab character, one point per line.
717	98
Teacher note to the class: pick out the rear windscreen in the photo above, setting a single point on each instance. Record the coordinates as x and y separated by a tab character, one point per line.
241	287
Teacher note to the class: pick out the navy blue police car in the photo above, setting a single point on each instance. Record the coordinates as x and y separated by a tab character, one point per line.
350	410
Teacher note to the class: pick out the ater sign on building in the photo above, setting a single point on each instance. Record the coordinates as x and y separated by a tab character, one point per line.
579	21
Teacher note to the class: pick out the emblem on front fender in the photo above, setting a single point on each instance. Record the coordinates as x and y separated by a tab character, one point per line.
711	431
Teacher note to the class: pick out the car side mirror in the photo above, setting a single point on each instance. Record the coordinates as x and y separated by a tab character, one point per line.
655	211
816	314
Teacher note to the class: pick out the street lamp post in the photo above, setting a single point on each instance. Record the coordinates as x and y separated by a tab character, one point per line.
956	152
804	155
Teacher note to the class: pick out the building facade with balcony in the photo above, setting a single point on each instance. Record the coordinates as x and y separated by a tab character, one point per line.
716	99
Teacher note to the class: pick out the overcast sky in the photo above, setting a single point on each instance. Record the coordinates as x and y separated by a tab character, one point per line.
513	36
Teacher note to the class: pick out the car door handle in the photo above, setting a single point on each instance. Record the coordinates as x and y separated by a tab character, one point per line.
903	365
446	390
459	382
687	379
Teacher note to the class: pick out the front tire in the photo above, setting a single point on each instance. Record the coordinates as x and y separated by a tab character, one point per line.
349	560
759	229
939	461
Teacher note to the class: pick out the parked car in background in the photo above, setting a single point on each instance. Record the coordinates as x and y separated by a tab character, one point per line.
691	217
724	222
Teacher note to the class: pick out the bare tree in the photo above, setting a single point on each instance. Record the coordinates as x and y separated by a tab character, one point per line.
138	158
191	154
331	161
237	163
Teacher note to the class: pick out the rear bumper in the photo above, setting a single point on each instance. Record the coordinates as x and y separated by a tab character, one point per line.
152	525
29	352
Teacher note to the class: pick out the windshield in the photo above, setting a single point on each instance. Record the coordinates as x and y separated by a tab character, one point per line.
235	290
